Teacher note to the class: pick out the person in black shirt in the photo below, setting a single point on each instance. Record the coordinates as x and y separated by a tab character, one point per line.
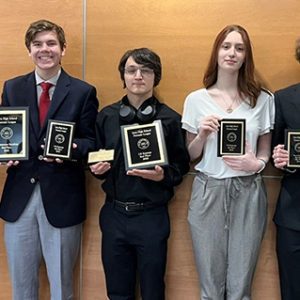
134	219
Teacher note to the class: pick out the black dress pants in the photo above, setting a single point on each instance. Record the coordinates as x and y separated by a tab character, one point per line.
134	243
288	254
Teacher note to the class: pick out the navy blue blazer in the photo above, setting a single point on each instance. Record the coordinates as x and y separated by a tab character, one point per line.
287	104
62	185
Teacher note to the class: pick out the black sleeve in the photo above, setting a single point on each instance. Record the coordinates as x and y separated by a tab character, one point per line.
280	124
279	128
85	139
4	98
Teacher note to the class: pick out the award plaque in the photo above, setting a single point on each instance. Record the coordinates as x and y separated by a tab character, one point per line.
292	145
13	133
231	137
101	155
59	139
144	145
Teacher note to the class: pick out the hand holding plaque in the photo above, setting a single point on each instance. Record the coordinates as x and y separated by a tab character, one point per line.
231	137
13	133
144	145
59	139
292	145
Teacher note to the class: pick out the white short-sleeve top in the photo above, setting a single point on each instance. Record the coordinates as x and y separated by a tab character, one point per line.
259	121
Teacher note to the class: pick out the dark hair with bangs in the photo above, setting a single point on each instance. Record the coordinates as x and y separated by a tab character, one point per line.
144	57
248	85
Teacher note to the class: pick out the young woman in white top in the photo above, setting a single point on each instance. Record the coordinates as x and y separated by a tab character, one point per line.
228	206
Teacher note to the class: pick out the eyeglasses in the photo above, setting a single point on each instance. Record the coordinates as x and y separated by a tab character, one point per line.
144	71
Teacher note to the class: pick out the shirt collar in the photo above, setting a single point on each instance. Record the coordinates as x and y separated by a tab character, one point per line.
52	80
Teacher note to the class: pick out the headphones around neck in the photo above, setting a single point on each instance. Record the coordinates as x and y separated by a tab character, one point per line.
145	113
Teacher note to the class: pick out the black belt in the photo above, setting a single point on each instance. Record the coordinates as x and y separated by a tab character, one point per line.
131	206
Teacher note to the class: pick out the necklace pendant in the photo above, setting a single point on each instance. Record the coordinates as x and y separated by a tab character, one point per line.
229	110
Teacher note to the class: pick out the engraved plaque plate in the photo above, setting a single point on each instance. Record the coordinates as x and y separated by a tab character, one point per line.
14	133
292	145
231	137
144	145
59	139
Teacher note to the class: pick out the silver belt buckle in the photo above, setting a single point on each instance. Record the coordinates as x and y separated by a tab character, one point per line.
128	205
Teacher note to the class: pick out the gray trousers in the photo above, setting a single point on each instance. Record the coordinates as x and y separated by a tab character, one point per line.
29	239
227	220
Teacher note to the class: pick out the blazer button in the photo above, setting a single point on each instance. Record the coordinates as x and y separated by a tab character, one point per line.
32	180
40	157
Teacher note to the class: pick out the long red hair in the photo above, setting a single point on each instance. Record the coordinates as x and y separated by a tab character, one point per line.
247	84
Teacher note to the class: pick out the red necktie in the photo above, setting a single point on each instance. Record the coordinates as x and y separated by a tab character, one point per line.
44	101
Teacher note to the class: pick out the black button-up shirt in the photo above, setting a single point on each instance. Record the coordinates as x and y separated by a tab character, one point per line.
121	187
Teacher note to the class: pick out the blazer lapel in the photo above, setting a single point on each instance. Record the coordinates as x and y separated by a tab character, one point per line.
30	92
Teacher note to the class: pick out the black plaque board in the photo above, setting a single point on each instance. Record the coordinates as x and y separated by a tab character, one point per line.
14	133
59	139
292	145
144	145
231	137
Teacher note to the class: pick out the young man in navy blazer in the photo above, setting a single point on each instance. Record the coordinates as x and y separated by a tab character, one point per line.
44	200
